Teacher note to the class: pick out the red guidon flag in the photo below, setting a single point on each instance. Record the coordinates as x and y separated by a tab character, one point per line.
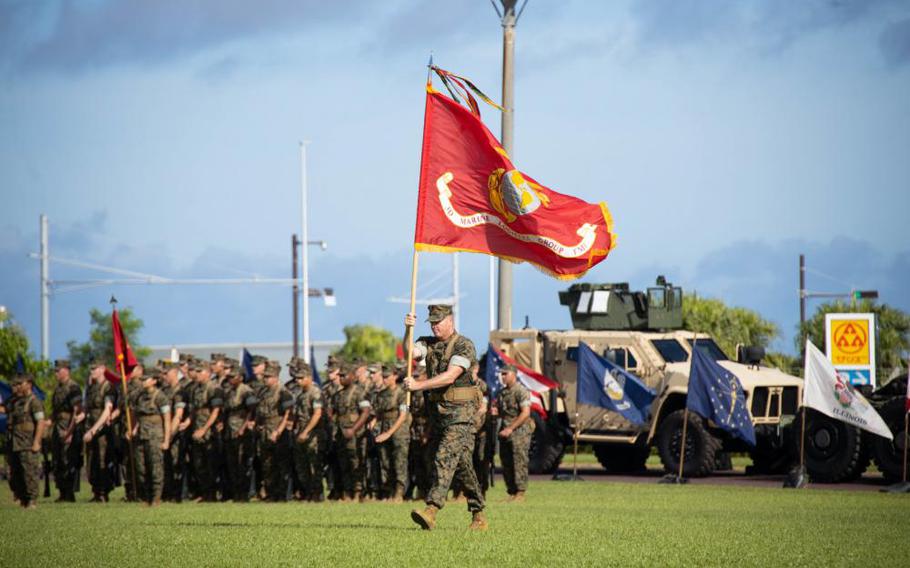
472	197
122	352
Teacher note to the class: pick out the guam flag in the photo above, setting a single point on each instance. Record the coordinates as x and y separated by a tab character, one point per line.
536	383
604	384
473	198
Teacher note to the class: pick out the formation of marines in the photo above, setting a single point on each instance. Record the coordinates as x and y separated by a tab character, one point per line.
204	430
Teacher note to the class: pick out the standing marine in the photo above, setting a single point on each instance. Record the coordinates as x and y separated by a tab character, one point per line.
273	410
394	425
514	409
25	427
100	395
309	434
451	405
66	445
153	418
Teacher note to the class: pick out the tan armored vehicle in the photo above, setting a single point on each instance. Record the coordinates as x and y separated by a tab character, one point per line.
642	333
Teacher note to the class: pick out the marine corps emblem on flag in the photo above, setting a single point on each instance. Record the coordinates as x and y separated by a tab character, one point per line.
472	197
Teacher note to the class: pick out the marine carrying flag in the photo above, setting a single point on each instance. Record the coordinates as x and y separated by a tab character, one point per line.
832	395
602	383
122	352
472	197
717	395
536	383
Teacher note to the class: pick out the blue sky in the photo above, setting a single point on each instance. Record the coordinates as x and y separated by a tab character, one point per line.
726	138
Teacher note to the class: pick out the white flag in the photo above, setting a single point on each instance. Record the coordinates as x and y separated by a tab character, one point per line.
833	395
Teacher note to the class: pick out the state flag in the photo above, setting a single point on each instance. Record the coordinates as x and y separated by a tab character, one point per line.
833	395
602	383
717	395
536	383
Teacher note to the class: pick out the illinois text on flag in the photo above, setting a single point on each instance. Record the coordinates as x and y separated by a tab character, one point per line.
831	394
473	198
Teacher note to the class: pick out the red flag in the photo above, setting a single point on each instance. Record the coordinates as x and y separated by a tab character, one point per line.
122	352
472	198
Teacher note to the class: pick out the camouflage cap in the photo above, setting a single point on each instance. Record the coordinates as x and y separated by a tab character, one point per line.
508	367
231	373
230	363
95	363
215	357
185	357
388	370
201	364
259	360
272	368
20	379
438	312
374	367
301	370
62	364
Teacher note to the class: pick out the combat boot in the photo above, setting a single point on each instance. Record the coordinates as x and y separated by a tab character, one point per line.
357	497
398	497
479	522
519	497
426	518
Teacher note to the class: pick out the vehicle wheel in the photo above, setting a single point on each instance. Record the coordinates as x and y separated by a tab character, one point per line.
547	448
834	449
617	458
701	446
889	454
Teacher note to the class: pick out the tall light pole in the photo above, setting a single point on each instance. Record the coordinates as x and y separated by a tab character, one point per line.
509	18
45	292
304	257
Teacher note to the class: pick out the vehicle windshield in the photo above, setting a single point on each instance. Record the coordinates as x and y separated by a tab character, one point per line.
670	350
711	349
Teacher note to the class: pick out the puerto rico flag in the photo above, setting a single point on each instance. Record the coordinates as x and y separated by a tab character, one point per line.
536	383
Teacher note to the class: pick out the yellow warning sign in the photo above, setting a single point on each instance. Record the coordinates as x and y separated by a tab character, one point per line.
848	342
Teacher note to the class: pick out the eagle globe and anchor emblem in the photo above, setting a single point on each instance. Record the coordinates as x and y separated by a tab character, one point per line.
511	195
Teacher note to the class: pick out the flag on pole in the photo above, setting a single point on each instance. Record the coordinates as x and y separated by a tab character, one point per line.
602	383
536	383
247	366
717	395
907	401
832	395
473	198
316	378
123	354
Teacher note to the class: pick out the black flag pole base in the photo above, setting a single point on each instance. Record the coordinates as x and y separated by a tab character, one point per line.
797	478
673	479
902	487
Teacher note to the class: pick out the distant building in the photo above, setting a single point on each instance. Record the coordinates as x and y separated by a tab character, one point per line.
280	352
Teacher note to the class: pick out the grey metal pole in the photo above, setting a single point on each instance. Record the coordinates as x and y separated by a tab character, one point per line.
802	294
295	293
305	288
504	320
45	292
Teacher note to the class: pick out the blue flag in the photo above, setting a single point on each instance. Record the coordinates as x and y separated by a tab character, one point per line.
607	385
247	366
20	370
6	393
316	378
716	394
491	371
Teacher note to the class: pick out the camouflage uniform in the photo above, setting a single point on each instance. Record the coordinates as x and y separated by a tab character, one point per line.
346	406
207	397
100	453
513	451
174	468
24	414
420	458
393	453
67	454
152	409
270	408
481	441
451	411
133	390
333	467
309	453
239	400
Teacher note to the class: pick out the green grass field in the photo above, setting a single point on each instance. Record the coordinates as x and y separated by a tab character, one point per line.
562	523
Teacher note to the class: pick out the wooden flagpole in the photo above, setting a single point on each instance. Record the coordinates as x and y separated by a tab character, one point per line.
906	442
409	330
129	426
682	443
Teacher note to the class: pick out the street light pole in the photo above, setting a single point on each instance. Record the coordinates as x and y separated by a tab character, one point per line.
303	253
45	292
509	19
294	293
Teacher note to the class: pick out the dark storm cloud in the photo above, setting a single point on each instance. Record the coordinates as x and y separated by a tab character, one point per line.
73	36
895	43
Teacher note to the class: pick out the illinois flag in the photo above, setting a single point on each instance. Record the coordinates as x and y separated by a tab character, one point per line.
832	395
472	197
